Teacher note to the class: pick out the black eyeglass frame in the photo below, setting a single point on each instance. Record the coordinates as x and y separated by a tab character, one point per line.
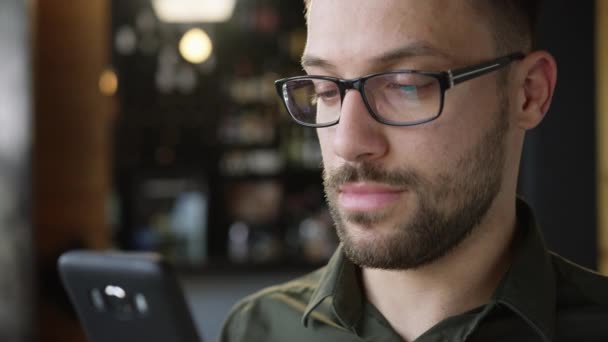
446	79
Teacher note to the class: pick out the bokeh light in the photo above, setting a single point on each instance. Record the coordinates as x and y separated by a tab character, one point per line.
108	82
195	46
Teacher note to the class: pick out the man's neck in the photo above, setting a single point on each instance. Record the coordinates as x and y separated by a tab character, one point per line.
413	301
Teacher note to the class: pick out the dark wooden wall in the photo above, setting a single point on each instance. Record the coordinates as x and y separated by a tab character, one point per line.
71	133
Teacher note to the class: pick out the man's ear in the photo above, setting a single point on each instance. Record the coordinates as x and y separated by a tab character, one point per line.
534	83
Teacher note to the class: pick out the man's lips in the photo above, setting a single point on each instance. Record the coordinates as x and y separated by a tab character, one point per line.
367	196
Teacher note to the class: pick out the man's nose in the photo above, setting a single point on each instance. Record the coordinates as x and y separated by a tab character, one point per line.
358	136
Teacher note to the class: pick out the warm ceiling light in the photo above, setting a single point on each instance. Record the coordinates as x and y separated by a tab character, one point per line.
195	46
193	11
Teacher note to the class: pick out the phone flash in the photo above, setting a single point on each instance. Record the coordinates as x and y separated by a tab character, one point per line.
115	291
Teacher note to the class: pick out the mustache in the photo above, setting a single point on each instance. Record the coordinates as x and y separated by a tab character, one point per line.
350	173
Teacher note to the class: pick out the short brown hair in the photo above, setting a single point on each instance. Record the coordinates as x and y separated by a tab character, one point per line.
514	22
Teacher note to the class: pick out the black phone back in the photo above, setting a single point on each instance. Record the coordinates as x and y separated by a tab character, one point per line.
122	297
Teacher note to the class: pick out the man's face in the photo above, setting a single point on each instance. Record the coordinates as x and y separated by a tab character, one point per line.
403	197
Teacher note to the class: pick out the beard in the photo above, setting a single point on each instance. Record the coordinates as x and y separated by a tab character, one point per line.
447	211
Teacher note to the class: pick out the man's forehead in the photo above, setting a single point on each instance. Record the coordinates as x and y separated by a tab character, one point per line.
380	30
389	56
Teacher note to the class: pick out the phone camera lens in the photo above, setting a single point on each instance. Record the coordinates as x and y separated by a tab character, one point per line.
97	300
141	304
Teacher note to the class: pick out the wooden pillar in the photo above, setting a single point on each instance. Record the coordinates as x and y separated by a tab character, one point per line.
71	147
602	134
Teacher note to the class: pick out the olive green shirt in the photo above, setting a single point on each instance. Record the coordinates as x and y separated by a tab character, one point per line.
542	297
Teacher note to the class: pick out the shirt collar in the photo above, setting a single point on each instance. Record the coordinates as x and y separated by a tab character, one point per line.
339	282
527	289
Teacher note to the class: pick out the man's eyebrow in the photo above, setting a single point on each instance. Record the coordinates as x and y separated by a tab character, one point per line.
408	51
313	61
411	50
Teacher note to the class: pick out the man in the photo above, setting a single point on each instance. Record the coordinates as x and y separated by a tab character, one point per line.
421	108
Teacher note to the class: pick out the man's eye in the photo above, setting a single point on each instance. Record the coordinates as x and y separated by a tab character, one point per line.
408	88
328	94
411	89
405	88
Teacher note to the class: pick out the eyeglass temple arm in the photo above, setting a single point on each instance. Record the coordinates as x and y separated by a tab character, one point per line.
465	74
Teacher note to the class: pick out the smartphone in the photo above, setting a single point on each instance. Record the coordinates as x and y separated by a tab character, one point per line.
126	296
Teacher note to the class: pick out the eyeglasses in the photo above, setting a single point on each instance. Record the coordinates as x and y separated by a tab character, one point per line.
396	98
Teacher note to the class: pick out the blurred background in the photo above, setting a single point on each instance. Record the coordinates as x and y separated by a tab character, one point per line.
153	125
